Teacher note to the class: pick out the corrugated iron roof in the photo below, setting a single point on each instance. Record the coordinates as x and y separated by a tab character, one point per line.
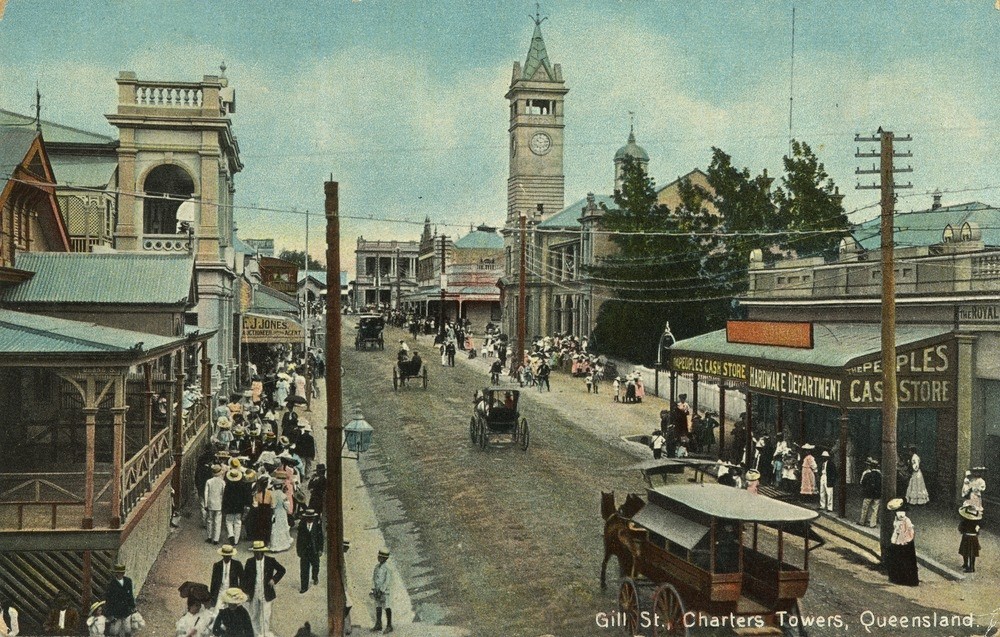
926	227
77	170
569	217
53	132
14	145
480	239
24	334
117	278
835	345
268	301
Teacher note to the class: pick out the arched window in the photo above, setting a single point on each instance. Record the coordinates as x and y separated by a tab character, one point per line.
160	215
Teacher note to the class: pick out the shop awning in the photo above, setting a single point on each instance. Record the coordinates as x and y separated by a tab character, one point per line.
841	368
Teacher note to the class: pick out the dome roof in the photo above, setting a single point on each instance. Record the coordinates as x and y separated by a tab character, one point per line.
631	149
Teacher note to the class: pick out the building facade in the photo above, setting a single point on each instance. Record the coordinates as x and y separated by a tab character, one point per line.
386	270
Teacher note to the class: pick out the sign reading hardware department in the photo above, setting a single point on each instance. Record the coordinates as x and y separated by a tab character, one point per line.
270	329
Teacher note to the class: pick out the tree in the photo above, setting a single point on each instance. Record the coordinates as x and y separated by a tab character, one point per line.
808	200
298	257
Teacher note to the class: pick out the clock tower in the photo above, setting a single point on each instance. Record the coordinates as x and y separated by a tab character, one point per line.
536	133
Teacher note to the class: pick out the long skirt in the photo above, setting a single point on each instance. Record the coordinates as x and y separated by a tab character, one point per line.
916	490
259	522
969	546
902	564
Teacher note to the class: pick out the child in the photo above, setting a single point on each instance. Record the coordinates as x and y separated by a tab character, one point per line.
97	621
682	447
590	382
617	387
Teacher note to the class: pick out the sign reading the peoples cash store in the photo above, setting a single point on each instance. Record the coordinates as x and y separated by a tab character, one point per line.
711	366
925	377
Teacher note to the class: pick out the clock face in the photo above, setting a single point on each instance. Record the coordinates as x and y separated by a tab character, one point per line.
540	143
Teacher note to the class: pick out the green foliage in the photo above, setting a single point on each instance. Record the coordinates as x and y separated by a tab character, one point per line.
808	200
298	257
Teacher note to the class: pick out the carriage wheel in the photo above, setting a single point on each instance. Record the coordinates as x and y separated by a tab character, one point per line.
483	437
425	378
395	379
668	611
472	429
523	434
628	605
357	342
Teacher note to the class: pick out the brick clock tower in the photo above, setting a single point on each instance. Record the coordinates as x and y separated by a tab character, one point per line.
536	133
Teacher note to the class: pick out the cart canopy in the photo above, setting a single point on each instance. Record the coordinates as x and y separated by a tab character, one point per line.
729	503
671	526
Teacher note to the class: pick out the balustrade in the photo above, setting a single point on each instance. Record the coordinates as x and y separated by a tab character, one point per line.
986	267
141	472
46	500
169	95
166	242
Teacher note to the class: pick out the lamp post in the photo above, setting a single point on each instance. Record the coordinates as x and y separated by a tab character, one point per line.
357	434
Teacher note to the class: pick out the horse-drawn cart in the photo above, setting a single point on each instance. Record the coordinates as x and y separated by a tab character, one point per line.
409	369
708	553
370	328
496	419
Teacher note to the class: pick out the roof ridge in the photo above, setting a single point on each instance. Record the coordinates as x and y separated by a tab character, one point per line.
29	118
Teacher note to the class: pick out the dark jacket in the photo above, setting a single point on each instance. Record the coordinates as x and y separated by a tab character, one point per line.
120	599
272	571
871	484
234	497
832	475
317	493
233	622
309	543
305	447
289	423
235	578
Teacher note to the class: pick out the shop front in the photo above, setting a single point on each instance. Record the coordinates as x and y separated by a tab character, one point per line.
821	383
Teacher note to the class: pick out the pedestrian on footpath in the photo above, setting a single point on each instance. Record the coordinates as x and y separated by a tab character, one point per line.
214	490
381	583
309	546
63	617
827	481
657	443
260	575
871	492
916	488
544	371
317	489
808	471
233	620
902	558
226	573
973	493
120	603
969	526
233	503
96	622
196	622
305	448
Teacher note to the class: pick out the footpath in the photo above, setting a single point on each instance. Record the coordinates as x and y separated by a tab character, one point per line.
936	524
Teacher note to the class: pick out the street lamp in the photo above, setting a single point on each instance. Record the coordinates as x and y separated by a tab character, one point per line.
357	434
664	348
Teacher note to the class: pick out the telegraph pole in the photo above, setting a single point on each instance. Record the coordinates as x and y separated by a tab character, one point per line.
518	358
305	323
444	285
885	170
334	421
399	292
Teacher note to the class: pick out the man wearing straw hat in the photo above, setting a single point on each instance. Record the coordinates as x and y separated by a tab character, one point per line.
309	546
260	575
871	492
214	489
381	584
968	526
233	502
120	603
226	573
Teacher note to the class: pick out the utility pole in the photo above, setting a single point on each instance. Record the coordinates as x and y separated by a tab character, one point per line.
399	292
335	601
444	285
887	187
305	323
518	359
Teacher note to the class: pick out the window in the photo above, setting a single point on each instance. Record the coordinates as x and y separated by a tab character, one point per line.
370	265
539	107
166	187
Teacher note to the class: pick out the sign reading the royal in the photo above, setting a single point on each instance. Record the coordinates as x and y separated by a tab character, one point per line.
271	329
771	333
979	313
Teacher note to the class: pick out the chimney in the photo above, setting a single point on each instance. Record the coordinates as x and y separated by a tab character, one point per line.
937	200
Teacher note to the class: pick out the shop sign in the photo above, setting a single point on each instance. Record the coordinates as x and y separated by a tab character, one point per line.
771	333
989	313
709	366
925	378
933	359
269	329
803	385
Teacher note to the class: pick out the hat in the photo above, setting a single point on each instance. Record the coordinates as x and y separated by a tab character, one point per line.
347	544
119	568
306	428
234	475
250	475
753	474
234	463
222	453
247	393
223	423
321	467
234	596
280	474
260	546
227	550
682	397
971	512
239	430
216	469
271	435
383	553
895	504
309	514
978	469
96	605
284	440
825	454
808	446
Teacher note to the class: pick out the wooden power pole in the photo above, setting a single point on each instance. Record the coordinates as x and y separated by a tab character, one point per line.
444	285
335	601
518	357
887	187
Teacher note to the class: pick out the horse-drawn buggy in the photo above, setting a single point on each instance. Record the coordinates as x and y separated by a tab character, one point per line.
695	555
370	328
409	369
496	419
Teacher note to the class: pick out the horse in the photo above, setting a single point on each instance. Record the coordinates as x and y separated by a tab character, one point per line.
620	536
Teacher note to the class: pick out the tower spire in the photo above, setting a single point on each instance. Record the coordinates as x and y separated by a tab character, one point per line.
38	109
631	127
538	57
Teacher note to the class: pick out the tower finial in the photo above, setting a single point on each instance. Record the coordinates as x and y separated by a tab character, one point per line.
38	108
631	126
222	67
537	18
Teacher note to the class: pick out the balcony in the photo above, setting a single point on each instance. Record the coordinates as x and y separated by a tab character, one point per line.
170	243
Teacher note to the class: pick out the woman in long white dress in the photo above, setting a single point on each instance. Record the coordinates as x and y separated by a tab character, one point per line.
916	489
281	539
281	390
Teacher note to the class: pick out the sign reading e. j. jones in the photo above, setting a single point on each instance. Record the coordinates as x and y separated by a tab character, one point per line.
269	329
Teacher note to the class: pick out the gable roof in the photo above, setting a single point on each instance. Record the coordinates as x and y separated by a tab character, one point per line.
116	278
569	217
926	227
15	143
696	171
33	171
54	133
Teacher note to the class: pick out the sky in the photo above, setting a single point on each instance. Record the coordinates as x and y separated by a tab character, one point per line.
402	101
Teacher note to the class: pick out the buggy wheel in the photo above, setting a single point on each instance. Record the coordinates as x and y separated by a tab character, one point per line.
628	606
483	437
668	609
357	342
395	378
381	343
522	433
472	429
425	377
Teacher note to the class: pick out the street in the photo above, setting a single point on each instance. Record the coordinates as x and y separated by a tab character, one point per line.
509	542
